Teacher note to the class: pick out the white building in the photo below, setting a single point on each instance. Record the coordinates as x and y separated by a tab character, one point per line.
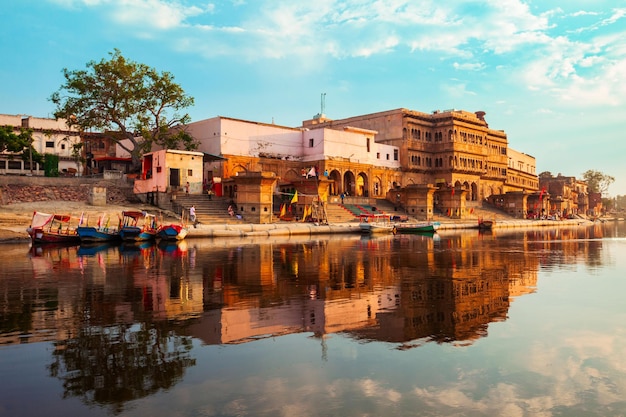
50	136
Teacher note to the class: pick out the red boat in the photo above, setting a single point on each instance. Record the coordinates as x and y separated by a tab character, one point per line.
52	228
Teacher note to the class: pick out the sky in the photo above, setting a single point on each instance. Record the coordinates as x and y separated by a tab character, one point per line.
551	74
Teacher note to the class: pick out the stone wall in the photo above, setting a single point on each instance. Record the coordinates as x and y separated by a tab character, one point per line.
18	189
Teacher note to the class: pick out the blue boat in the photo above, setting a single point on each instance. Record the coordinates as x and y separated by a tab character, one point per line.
92	234
172	232
138	226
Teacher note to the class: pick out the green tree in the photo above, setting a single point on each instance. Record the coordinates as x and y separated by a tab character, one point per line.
130	103
19	145
15	143
597	181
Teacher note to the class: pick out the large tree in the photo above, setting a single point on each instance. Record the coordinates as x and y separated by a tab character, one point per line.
131	103
597	181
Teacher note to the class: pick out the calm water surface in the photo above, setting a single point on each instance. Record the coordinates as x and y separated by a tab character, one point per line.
516	323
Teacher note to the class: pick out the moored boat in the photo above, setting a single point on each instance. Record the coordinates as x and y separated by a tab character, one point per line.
102	232
52	228
172	232
485	224
137	226
90	234
374	224
424	227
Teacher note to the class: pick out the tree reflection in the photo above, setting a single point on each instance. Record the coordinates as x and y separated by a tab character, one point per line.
109	366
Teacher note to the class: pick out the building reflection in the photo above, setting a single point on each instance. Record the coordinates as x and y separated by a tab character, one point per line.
405	290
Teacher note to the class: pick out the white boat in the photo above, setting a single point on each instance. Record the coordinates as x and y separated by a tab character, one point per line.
375	224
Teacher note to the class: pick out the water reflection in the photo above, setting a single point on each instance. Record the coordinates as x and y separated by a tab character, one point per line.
123	319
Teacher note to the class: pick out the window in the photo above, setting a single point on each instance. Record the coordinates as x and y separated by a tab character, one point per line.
63	146
311	142
395	154
50	144
368	144
190	172
377	155
387	157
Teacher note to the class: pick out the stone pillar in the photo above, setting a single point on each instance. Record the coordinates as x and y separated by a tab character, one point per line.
97	196
255	191
419	200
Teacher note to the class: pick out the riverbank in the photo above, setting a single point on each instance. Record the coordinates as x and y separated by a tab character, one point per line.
15	218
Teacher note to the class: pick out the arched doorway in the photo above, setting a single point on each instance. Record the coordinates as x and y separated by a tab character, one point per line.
362	185
377	187
349	183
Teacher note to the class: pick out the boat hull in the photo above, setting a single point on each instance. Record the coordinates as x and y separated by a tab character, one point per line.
136	234
91	234
373	228
39	235
172	232
408	228
485	224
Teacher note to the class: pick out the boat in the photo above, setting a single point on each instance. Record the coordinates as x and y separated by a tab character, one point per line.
138	226
376	224
91	234
52	228
423	227
172	231
485	224
99	233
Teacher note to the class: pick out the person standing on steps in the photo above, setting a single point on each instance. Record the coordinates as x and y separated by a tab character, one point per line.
187	188
192	215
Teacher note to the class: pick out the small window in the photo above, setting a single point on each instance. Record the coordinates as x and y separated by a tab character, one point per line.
49	144
190	172
377	155
63	146
395	154
158	169
387	157
311	142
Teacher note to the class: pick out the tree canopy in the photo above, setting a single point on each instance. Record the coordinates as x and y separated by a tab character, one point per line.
130	103
18	144
597	181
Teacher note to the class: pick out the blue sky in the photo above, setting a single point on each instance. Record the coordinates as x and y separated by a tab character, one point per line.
551	74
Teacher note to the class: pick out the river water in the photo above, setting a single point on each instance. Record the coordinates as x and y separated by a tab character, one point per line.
510	323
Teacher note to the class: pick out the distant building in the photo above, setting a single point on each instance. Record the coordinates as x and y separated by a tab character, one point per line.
170	170
447	148
349	158
50	136
568	196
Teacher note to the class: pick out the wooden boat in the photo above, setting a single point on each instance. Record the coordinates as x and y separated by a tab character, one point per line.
52	228
99	233
425	227
172	232
485	224
375	224
138	226
91	234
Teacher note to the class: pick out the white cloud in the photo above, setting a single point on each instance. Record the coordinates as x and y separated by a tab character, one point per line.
469	66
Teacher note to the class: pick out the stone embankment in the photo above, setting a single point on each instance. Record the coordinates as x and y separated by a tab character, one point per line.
293	229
